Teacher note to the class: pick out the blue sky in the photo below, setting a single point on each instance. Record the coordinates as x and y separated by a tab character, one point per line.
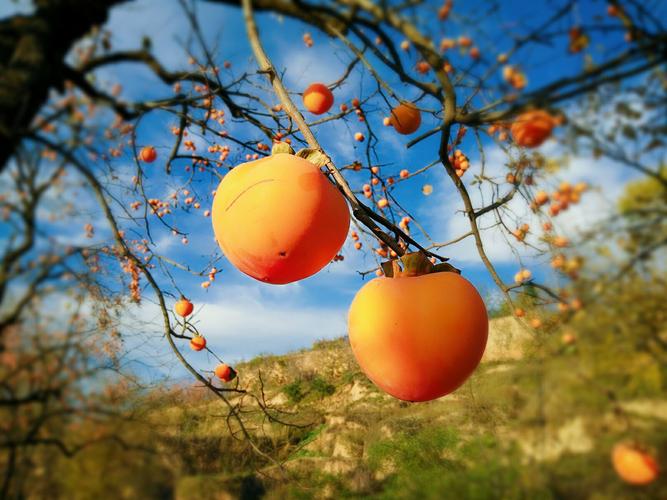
241	317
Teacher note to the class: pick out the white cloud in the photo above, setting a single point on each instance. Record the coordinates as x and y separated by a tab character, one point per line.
242	321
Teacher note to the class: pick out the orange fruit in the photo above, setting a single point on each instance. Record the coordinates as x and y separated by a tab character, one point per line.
148	154
317	98
183	307
633	465
405	118
418	337
278	219
532	128
225	372
197	343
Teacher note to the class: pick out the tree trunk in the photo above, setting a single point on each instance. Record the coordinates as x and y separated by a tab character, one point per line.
32	49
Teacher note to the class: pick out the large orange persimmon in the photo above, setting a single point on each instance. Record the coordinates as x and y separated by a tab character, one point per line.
317	98
279	219
418	337
405	118
532	128
633	465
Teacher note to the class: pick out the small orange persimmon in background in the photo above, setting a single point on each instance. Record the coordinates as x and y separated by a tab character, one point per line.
197	343
225	372
541	197
536	323
317	98
578	40
460	162
568	338
383	203
148	154
183	307
519	313
522	275
405	118
532	128
519	234
514	76
561	242
404	174
308	40
422	67
634	465
445	9
359	137
273	240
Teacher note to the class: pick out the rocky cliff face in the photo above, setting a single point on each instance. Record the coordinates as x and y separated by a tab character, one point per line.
529	408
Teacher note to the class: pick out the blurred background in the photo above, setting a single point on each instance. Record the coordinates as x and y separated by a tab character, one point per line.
101	395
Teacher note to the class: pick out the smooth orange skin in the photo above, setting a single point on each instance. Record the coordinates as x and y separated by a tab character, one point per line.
224	372
197	343
148	154
184	307
532	128
418	338
405	118
633	465
318	99
279	219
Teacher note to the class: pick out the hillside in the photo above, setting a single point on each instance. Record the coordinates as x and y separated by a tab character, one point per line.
530	423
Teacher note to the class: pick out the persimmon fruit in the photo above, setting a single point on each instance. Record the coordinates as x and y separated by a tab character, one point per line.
405	118
225	372
197	343
532	128
183	307
278	219
148	154
633	465
317	98
418	337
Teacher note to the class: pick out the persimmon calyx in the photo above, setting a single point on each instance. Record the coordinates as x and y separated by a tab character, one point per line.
282	147
415	264
315	156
